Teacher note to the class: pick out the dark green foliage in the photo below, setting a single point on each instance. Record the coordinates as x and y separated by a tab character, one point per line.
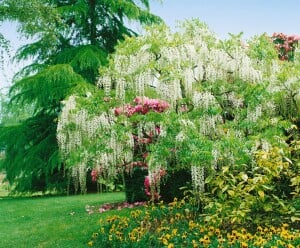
171	184
31	151
134	185
46	89
85	60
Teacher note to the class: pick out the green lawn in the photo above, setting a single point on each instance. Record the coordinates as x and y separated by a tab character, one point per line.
50	221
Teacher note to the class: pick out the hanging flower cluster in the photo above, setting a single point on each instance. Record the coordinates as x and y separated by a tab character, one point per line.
175	63
151	184
90	141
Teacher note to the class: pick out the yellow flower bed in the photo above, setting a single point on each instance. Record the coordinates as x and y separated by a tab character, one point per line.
178	225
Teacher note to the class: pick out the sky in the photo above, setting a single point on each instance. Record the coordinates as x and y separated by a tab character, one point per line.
252	17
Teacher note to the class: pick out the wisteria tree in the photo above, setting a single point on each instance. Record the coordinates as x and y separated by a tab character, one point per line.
227	102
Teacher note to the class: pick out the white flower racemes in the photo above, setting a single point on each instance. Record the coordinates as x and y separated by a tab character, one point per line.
175	63
198	178
77	130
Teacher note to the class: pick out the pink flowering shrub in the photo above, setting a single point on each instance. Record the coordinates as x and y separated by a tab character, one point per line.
143	106
94	174
285	45
138	168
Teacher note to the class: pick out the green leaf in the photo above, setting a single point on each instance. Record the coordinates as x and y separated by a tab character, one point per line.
231	192
261	194
294	219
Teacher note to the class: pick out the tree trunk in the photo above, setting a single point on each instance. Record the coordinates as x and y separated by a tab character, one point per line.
93	30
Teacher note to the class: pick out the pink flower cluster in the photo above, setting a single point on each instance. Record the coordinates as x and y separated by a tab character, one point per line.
147	184
285	45
143	106
94	174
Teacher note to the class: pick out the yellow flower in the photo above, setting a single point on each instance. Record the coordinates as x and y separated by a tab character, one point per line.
259	242
165	241
182	203
195	245
174	232
290	246
234	233
217	231
174	203
205	240
244	245
220	239
95	235
279	242
172	220
184	235
192	224
229	237
132	236
171	245
177	216
168	236
91	243
249	236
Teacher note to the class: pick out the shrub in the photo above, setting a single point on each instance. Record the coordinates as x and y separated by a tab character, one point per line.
134	185
260	194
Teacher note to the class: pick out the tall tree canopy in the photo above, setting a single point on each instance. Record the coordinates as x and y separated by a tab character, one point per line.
71	40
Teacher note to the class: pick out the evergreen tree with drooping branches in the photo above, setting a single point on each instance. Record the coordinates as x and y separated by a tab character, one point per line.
71	40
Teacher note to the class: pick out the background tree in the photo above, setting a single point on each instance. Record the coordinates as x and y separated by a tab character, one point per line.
71	40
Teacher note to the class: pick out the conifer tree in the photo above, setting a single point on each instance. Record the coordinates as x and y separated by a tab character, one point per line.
71	40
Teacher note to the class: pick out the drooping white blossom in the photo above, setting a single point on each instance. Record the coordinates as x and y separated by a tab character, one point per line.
198	178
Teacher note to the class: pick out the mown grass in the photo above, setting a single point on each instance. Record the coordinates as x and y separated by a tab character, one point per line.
60	221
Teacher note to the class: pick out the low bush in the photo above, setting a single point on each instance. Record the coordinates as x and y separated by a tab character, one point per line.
264	193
